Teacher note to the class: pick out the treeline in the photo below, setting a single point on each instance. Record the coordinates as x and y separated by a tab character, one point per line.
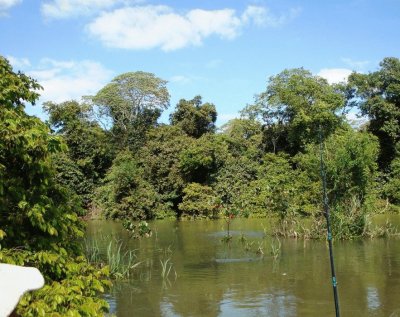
122	162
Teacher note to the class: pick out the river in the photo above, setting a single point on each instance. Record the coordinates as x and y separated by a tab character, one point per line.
252	275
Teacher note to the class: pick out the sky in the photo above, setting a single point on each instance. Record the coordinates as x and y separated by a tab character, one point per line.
224	51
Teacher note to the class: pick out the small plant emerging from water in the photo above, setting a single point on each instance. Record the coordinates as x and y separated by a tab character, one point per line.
242	238
260	249
166	266
229	215
137	230
276	249
265	231
248	245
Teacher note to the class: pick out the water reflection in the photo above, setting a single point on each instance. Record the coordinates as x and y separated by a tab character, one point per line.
219	279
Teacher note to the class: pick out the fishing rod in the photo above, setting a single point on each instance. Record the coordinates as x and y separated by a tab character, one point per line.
328	225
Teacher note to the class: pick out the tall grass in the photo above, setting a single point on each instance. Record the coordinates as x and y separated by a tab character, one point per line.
166	266
121	263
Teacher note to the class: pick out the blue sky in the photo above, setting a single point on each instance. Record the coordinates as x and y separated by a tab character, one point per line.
224	51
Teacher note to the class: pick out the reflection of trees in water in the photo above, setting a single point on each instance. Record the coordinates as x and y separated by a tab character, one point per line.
297	284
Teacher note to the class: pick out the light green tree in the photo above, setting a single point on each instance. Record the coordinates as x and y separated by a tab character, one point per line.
131	103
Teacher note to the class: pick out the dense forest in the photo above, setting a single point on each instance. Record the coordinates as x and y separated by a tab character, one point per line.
122	163
109	156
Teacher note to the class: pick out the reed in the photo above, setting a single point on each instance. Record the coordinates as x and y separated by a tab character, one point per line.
276	248
120	263
166	267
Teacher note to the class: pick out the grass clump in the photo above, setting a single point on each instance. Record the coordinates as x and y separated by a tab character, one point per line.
120	263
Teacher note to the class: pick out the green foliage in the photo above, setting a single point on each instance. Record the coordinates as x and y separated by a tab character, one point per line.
35	211
378	96
71	177
350	158
194	118
160	158
71	288
125	194
351	171
199	201
89	150
137	230
294	107
200	161
132	102
392	187
16	88
278	189
39	224
244	138
233	179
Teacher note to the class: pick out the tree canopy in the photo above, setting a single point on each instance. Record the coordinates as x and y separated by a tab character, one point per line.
295	107
377	94
194	118
132	102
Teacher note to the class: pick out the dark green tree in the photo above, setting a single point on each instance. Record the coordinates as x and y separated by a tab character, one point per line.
194	117
126	194
160	158
200	161
378	96
89	146
295	105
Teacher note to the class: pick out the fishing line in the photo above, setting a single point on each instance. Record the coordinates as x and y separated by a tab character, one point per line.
328	225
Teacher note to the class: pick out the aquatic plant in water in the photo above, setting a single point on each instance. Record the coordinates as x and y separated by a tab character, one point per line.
276	248
229	214
120	263
137	230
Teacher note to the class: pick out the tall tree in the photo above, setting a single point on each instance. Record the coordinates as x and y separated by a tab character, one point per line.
194	117
295	105
132	103
378	96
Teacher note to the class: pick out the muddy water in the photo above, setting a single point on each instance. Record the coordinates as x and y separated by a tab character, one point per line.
208	277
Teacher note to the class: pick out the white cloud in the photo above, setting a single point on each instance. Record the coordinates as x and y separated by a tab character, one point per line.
226	117
335	75
146	27
355	119
67	80
18	63
60	9
263	16
180	79
7	4
356	65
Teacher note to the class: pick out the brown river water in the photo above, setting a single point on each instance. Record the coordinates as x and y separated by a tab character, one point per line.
210	278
